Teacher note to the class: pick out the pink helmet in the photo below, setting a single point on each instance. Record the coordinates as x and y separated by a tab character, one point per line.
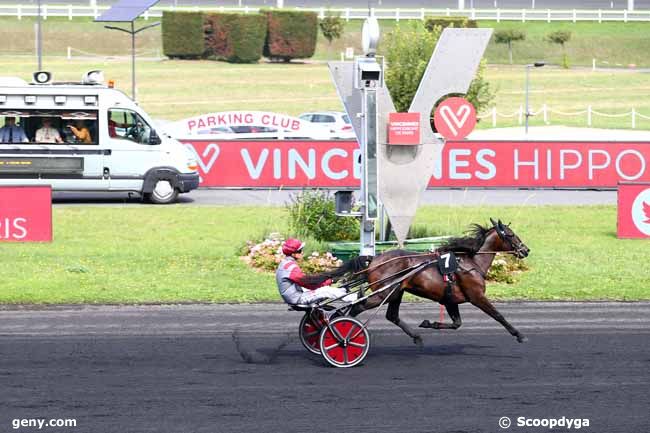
292	246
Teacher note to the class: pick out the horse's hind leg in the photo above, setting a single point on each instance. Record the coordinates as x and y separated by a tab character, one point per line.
452	310
392	314
486	306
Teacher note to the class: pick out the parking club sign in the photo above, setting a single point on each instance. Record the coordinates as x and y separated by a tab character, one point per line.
634	210
25	214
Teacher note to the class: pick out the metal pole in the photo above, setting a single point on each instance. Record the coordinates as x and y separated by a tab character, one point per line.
39	38
369	170
133	60
527	113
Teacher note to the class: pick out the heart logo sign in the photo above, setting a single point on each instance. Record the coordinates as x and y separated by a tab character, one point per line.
455	118
641	212
208	157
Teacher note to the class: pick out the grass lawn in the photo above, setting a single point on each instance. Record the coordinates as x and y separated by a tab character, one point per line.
183	254
179	89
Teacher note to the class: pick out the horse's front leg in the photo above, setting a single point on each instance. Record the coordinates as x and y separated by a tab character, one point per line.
486	306
452	310
392	314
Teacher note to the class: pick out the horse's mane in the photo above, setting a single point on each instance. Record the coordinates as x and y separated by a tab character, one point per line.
469	244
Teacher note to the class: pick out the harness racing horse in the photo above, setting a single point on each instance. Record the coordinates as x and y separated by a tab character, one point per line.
475	254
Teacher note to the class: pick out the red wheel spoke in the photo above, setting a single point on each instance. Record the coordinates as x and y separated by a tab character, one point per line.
328	348
353	344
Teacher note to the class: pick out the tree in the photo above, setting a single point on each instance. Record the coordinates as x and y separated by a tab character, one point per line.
332	27
560	37
408	52
508	37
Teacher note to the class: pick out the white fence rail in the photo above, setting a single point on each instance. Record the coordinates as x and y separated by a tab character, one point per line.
545	112
523	15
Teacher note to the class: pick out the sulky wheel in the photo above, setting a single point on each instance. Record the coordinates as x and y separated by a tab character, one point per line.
345	343
309	332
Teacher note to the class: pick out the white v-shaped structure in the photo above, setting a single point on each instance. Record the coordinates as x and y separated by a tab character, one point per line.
405	171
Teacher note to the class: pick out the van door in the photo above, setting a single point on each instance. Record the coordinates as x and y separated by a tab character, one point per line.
132	154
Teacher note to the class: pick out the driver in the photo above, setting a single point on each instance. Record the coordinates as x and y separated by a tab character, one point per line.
292	283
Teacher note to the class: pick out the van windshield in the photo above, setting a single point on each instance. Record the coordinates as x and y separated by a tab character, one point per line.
48	127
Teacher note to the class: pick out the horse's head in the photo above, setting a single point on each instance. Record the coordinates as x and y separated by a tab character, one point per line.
510	240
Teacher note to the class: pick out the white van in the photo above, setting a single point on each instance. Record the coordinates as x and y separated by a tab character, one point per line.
87	137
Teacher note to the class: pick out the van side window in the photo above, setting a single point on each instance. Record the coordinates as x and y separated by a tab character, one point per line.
128	125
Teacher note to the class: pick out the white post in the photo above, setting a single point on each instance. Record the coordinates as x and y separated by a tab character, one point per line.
593	65
280	4
246	10
494	117
548	15
146	15
95	12
321	13
589	116
473	14
630	5
633	118
523	15
521	114
625	16
347	14
20	12
574	15
422	14
448	14
372	12
461	4
93	3
532	4
44	12
69	12
600	16
397	14
545	114
69	53
498	15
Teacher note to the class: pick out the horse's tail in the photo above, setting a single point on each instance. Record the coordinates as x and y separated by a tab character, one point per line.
353	269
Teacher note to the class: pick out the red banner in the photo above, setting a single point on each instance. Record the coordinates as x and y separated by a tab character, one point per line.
633	210
278	163
25	214
464	164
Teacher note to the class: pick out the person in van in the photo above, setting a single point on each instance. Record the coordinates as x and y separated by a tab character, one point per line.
12	133
81	132
47	133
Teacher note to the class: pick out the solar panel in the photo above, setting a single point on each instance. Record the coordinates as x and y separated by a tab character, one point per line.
126	10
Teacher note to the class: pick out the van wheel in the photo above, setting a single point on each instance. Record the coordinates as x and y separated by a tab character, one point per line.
163	192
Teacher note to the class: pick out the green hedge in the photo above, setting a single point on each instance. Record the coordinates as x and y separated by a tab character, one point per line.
182	34
291	34
236	38
444	22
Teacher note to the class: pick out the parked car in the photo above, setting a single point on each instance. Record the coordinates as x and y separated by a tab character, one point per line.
338	123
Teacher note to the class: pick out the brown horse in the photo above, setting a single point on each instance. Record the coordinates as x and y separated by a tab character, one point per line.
475	254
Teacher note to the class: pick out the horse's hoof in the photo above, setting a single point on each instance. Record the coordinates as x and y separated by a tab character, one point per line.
522	339
426	324
418	341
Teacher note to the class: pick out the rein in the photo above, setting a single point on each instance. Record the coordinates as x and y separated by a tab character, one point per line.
459	253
